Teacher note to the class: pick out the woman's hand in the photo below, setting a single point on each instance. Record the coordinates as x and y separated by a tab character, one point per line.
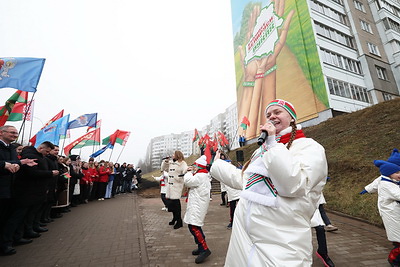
268	127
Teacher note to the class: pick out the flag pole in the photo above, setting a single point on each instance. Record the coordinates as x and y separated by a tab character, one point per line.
112	150
62	148
23	121
120	154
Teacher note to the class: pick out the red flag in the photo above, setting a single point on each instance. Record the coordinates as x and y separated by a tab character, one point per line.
89	139
222	139
245	123
19	96
56	117
119	136
196	135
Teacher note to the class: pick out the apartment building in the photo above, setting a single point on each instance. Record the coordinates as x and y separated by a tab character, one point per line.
165	145
358	44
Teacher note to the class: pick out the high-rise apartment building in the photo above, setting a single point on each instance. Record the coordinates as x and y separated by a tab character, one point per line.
165	145
358	43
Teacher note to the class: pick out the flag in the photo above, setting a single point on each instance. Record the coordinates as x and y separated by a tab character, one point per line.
222	139
100	151
19	96
28	110
89	139
66	135
53	131
56	117
98	124
19	110
196	135
84	120
21	73
120	137
245	123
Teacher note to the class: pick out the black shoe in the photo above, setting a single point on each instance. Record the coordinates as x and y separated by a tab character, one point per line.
42	224
202	256
222	204
196	252
229	227
325	259
56	216
172	222
44	221
178	225
7	251
31	234
40	229
22	241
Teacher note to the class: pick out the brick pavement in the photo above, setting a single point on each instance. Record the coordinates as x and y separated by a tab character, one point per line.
110	233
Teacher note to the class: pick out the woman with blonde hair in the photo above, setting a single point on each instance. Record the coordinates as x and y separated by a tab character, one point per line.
281	184
176	168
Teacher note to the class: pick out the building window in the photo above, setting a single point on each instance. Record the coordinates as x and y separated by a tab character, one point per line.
396	46
373	49
329	12
391	25
387	96
358	5
348	90
340	61
334	35
366	26
382	73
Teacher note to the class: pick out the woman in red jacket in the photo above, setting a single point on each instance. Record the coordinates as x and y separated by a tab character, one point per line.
94	174
85	183
104	172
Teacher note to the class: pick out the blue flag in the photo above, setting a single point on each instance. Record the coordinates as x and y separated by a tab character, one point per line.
22	73
53	131
84	120
101	150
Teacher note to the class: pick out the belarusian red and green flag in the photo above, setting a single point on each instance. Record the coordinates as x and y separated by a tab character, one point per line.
20	111
245	123
196	135
120	137
5	112
89	139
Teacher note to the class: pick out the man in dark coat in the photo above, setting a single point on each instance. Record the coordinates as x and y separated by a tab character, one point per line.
30	189
52	161
9	164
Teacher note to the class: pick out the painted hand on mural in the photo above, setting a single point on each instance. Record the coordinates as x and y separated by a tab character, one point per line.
261	72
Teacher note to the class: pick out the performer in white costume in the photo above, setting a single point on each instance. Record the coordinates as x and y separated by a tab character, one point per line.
281	184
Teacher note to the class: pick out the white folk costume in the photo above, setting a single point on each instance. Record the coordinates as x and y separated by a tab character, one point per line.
176	171
198	197
281	192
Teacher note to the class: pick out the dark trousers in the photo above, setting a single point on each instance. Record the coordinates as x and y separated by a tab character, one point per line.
164	200
13	228
93	194
85	191
5	210
321	238
101	190
232	207
223	197
175	207
323	214
199	237
32	218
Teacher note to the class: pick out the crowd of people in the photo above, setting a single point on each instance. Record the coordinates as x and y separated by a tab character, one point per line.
37	185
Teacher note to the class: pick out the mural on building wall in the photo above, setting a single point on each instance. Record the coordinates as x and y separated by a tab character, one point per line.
275	57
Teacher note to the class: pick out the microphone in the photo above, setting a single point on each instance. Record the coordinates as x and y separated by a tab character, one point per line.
263	136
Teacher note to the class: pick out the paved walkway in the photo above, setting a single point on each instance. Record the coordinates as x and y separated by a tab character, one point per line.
133	231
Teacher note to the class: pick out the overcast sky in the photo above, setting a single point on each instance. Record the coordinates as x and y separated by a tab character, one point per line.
149	67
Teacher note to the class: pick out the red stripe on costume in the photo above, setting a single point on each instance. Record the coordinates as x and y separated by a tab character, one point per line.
199	237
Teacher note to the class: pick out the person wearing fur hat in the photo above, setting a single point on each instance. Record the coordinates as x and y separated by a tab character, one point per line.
176	168
373	187
388	205
198	182
282	184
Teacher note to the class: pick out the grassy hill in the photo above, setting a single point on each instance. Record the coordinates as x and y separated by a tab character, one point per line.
352	141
